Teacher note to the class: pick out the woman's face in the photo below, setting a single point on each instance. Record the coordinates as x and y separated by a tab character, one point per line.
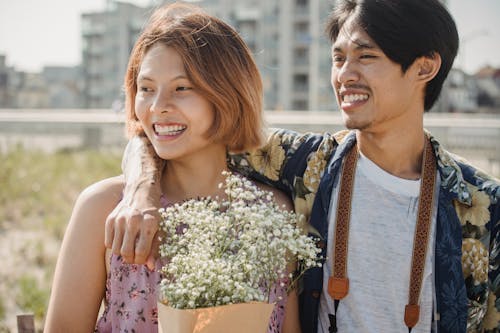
174	115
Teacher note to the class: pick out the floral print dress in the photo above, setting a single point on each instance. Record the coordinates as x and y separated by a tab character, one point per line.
131	295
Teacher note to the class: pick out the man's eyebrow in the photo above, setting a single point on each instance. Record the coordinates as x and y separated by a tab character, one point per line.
363	44
360	45
337	49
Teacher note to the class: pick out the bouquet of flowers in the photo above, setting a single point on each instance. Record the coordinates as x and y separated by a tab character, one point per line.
231	251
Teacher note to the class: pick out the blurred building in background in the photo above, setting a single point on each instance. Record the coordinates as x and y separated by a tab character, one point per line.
460	93
56	87
488	81
107	39
65	86
286	36
6	93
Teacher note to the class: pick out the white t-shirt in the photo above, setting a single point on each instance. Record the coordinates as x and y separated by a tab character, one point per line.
380	247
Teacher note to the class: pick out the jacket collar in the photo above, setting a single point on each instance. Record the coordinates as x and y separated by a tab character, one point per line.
451	176
345	140
452	179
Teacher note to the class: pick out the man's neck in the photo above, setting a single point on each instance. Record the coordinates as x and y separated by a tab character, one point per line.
398	151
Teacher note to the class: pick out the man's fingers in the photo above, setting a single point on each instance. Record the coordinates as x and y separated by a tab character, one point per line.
151	262
109	230
130	233
155	252
129	238
118	236
149	227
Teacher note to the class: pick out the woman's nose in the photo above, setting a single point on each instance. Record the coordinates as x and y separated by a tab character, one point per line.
160	103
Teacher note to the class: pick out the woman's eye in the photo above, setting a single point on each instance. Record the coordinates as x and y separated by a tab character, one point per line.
181	88
145	89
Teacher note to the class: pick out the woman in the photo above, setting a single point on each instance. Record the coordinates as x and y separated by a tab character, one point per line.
190	82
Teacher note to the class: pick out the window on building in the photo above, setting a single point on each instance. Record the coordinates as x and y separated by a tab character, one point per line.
300	81
299	105
300	56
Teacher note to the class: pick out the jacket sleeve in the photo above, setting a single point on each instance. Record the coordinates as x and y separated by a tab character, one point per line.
492	317
291	161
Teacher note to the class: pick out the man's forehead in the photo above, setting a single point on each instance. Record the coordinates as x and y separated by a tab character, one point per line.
355	37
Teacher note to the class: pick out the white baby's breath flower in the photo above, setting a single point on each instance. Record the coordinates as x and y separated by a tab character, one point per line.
230	251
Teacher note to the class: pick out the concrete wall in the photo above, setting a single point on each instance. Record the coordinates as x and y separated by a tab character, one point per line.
472	136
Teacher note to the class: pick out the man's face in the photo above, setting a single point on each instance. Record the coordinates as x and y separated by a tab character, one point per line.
372	91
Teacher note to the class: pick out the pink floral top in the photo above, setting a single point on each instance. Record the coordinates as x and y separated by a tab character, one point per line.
131	295
130	303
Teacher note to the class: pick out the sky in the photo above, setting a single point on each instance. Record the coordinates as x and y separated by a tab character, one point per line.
36	33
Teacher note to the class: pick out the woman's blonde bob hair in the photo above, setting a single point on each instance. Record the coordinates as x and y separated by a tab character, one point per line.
219	65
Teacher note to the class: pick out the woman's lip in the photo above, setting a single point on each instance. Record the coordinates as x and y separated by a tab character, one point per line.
168	129
167	123
170	137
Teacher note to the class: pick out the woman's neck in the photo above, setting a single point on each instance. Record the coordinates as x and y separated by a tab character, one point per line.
195	177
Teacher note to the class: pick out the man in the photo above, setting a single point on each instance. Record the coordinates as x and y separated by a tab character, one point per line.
410	232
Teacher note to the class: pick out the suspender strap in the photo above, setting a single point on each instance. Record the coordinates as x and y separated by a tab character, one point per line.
338	283
421	237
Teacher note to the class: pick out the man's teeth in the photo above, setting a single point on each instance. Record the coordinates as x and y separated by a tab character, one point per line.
169	129
354	98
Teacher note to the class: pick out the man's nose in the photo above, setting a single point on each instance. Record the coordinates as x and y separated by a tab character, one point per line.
347	72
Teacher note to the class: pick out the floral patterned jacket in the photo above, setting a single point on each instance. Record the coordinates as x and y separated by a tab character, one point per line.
467	251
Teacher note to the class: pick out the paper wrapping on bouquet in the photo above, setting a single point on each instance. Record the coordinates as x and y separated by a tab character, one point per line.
250	317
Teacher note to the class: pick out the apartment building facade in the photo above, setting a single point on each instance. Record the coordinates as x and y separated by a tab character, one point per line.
107	40
286	37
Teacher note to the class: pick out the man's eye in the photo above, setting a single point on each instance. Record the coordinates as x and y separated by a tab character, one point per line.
337	58
367	56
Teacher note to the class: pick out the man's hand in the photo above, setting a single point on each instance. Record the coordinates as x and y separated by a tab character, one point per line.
132	233
132	227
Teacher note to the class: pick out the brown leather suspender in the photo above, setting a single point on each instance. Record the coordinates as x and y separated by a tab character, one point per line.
338	283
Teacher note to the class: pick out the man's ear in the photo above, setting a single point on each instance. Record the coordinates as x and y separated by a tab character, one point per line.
428	66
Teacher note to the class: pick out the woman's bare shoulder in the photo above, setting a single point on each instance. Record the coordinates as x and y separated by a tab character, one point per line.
281	198
102	195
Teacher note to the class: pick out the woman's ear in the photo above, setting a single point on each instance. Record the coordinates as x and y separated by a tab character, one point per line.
428	66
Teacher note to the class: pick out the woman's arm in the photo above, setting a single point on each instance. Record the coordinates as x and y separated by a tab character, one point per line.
291	323
80	275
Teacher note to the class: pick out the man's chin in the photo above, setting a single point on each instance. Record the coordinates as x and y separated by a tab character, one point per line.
352	124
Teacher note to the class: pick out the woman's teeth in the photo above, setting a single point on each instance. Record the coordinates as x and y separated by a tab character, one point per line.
169	129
